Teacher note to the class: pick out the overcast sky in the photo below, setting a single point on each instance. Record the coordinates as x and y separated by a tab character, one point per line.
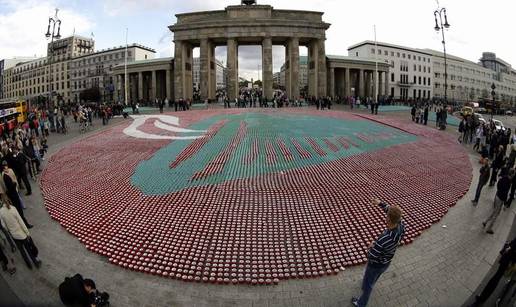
476	26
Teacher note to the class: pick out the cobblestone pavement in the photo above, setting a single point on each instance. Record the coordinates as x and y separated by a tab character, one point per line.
440	268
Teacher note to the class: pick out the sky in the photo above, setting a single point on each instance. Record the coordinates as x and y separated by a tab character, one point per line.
476	26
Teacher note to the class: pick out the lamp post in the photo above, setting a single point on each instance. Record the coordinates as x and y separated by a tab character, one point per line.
493	94
52	22
440	26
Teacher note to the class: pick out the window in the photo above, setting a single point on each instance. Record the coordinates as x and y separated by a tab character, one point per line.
385	52
419	81
414	94
356	54
379	51
392	53
414	79
415	67
392	77
398	54
373	51
419	68
409	56
419	58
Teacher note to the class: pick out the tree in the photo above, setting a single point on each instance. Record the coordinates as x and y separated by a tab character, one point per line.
485	93
90	94
258	83
472	94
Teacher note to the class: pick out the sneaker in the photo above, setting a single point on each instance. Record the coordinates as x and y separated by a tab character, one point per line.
490	232
37	263
30	226
354	301
11	271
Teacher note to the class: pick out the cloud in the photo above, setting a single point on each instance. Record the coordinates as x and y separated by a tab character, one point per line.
23	25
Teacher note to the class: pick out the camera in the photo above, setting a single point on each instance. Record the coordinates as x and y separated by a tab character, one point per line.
101	299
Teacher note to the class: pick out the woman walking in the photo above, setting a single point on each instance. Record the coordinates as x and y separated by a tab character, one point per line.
12	221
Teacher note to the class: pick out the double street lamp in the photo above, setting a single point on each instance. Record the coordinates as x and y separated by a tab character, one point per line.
440	26
52	22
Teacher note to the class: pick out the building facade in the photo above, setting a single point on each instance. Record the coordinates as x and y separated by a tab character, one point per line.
470	81
220	74
410	74
48	75
8	63
95	70
71	66
303	73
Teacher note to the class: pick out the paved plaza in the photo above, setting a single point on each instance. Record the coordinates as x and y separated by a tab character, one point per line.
110	202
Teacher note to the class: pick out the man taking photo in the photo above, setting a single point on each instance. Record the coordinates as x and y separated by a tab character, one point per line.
381	251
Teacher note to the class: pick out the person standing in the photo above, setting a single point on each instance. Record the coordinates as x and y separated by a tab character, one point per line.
482	180
503	186
508	257
11	191
381	251
18	162
11	220
425	115
497	164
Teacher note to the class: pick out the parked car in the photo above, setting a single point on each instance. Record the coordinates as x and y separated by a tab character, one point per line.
481	110
479	118
508	112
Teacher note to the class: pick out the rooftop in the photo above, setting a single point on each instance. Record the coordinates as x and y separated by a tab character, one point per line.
382	44
114	49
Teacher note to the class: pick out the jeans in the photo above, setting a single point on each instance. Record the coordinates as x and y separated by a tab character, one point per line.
371	275
497	207
23	247
479	190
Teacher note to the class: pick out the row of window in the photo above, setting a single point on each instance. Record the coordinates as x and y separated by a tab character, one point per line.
417	80
401	55
483	83
98	59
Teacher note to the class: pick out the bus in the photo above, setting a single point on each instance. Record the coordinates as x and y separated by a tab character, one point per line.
12	112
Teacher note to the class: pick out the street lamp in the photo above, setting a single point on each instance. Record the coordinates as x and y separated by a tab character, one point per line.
52	21
493	94
440	26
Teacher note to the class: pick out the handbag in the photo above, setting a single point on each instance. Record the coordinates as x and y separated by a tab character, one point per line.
31	247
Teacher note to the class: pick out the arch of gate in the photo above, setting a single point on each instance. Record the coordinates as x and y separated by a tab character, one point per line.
249	25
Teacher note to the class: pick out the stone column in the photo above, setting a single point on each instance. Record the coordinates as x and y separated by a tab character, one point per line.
313	56
361	86
178	70
380	82
288	85
205	67
322	70
293	50
213	73
232	60
168	89
347	83
183	70
140	86
331	82
267	67
153	85
387	89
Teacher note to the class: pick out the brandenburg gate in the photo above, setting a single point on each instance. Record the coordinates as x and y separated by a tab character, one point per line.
249	25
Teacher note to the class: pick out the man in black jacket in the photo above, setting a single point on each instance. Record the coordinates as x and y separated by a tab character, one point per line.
482	180
18	162
508	257
76	291
497	164
12	192
503	186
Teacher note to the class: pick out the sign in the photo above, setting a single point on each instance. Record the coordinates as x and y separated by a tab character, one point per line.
8	111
